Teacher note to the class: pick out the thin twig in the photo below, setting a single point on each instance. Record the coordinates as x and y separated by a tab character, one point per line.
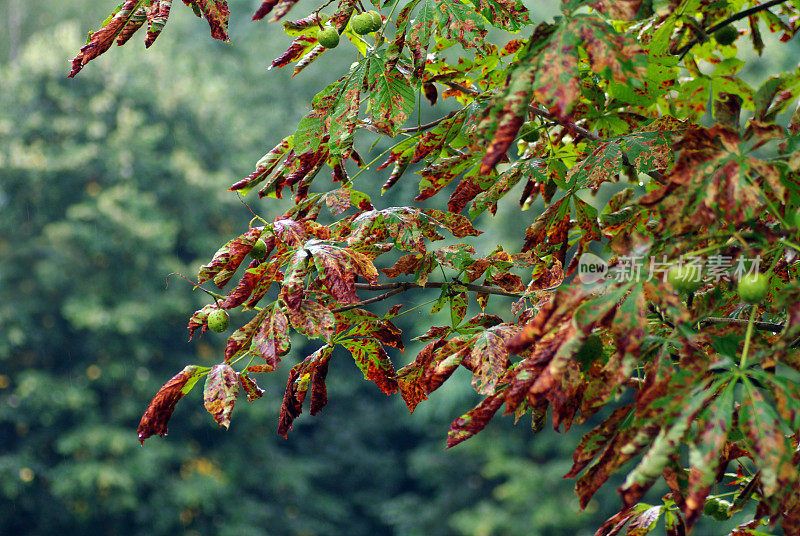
426	126
397	288
733	18
469	286
381	297
763	326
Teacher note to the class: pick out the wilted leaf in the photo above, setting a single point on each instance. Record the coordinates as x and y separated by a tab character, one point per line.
156	417
219	395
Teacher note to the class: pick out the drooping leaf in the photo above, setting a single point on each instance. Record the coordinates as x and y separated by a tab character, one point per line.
228	258
221	390
102	39
373	361
156	416
271	339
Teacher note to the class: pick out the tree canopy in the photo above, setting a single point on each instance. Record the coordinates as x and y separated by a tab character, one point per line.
651	289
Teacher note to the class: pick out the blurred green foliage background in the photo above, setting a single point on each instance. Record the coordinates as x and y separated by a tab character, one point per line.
115	179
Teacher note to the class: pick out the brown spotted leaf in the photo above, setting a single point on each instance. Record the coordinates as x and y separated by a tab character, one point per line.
219	395
308	374
157	17
216	13
155	418
474	421
281	8
490	356
251	388
271	340
102	39
374	362
241	339
313	320
228	258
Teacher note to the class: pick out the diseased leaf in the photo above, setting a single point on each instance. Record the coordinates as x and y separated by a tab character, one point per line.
251	388
271	340
102	39
374	362
474	421
310	373
156	416
313	320
221	390
228	258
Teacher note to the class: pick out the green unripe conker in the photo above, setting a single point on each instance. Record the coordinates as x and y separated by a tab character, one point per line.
328	37
684	279
726	35
361	24
259	250
717	509
218	320
377	21
753	288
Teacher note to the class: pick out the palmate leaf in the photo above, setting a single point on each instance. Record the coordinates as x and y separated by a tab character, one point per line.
714	182
504	182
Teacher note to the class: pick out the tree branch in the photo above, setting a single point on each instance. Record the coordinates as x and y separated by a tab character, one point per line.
397	288
733	18
763	326
426	126
469	286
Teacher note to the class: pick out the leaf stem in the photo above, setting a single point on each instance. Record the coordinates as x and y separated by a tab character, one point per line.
748	335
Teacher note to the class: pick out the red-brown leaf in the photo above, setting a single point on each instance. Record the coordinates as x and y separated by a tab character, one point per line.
156	416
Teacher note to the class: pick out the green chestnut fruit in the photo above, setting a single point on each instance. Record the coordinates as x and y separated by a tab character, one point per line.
362	24
753	288
726	35
259	250
328	37
218	320
684	279
718	509
377	21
